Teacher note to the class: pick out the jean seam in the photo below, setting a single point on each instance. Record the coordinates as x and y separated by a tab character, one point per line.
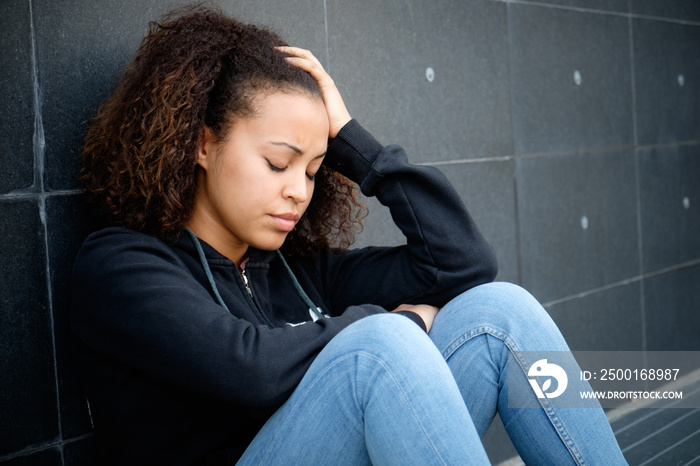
331	366
522	362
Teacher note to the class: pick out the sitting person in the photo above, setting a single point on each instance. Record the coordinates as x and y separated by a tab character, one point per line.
220	317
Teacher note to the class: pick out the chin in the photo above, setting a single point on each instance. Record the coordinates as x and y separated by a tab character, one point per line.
270	243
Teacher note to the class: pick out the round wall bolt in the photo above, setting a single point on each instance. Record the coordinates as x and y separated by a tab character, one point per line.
577	77
686	202
584	222
681	80
429	74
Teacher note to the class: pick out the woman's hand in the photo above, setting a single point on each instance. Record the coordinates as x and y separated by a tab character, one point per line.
338	115
425	311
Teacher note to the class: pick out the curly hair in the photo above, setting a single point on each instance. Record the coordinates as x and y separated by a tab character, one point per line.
195	68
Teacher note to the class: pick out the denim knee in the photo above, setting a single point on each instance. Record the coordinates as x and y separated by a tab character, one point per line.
382	333
503	310
499	303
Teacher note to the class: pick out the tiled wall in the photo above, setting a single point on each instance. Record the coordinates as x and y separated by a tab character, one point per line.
570	127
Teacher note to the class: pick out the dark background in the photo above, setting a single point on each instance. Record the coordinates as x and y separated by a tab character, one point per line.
536	154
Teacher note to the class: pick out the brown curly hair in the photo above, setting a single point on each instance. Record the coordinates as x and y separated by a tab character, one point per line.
195	68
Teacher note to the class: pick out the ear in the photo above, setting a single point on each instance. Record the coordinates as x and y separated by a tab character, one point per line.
207	149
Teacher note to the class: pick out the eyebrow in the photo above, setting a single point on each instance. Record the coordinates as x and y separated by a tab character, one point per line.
294	149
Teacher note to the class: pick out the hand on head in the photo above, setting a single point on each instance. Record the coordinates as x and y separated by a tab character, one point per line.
338	114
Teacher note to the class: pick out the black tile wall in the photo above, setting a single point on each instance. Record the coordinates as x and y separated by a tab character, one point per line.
378	228
500	112
28	383
498	445
488	192
81	48
578	222
67	227
300	23
571	78
380	55
48	457
667	81
672	304
604	5
79	453
670	205
16	100
487	189
610	320
675	9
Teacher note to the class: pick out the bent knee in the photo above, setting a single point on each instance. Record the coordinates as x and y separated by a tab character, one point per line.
385	334
499	302
384	327
504	291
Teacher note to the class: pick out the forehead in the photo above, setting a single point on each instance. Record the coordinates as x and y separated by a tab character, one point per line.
292	117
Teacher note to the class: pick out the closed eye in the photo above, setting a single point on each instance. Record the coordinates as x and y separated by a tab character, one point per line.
275	168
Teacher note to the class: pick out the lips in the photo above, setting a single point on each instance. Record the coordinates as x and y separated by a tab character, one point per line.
286	222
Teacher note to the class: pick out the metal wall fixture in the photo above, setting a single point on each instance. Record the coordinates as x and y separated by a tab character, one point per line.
577	78
429	74
584	222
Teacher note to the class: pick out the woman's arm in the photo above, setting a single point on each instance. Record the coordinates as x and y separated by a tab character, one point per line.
136	303
445	253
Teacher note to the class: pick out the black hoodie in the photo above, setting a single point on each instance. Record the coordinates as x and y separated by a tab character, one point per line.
174	378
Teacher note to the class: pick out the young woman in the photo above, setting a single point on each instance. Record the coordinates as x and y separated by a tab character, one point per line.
221	317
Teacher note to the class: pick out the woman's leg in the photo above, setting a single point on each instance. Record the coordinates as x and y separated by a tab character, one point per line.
379	392
478	333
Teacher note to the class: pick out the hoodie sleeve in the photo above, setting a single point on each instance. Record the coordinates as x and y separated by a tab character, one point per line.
135	304
445	254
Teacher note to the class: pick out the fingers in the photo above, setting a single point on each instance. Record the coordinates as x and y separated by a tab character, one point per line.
306	60
338	115
299	53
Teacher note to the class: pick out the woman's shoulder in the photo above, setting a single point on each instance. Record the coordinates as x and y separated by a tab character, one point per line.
113	245
118	238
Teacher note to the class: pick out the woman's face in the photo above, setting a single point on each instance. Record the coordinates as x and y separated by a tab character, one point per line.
257	182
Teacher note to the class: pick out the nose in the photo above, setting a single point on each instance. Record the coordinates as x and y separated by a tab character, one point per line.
298	187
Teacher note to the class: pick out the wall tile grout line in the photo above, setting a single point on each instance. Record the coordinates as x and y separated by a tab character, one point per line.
26	194
328	47
516	198
564	153
669	448
627	14
665	427
505	158
640	254
695	460
39	147
586	293
637	184
636	278
672	268
654	408
39	447
633	86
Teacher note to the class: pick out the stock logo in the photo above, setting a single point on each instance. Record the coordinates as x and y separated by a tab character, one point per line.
544	369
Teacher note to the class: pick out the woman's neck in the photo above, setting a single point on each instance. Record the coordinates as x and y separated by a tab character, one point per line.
214	235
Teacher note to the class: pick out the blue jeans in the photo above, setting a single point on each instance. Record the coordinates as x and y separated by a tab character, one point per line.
383	392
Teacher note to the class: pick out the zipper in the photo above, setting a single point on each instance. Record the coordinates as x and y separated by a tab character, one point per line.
212	283
246	283
256	309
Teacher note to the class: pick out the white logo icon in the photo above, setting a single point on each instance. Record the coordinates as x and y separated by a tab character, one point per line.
542	368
